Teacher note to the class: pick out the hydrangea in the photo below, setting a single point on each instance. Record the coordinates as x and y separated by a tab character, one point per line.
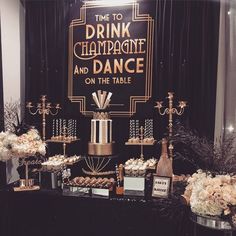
211	195
28	144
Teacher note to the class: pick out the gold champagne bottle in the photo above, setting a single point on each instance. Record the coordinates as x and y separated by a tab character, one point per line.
164	165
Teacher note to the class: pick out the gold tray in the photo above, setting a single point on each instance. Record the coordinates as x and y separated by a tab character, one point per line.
22	189
140	143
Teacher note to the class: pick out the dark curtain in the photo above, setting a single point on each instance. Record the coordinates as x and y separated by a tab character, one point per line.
186	58
46	57
186	43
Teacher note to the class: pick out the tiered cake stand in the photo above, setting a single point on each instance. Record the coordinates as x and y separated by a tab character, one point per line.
63	141
141	143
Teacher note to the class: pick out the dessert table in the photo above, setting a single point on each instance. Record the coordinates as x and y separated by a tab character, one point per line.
50	213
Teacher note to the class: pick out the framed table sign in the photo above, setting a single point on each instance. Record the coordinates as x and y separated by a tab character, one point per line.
161	186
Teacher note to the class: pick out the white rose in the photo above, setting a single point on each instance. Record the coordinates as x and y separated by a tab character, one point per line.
226	179
227	211
210	190
222	204
2	135
203	195
227	197
216	181
42	149
4	154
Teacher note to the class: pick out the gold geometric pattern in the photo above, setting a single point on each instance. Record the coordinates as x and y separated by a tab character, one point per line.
134	100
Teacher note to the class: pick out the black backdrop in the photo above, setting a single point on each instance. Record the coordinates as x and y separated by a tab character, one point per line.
185	62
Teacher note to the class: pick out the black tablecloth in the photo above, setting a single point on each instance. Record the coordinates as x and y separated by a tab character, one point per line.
48	212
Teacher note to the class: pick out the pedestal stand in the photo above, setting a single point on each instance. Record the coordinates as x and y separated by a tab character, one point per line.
27	184
141	142
214	223
64	143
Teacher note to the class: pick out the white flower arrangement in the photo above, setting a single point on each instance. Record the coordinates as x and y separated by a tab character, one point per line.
210	195
25	145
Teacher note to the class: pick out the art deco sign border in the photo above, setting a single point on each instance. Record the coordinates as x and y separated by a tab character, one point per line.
133	100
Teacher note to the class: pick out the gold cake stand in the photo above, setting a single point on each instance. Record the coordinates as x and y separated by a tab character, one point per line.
62	140
141	142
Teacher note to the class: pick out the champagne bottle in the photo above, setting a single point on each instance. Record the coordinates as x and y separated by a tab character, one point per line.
164	165
120	179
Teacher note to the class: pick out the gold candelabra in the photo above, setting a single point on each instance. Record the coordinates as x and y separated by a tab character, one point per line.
43	108
171	111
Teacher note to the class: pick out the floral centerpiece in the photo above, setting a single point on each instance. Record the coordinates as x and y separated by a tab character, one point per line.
211	192
24	145
211	195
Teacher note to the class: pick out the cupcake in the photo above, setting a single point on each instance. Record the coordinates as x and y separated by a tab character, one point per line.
142	171
134	171
128	170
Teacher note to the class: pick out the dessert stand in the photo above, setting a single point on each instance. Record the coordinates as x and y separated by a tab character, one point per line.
54	167
100	154
141	142
63	138
27	184
100	147
135	186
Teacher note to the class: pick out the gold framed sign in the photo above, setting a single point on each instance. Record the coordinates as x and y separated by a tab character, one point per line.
161	186
111	49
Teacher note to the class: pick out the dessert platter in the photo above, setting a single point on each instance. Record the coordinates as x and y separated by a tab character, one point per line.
138	167
93	182
57	162
86	186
